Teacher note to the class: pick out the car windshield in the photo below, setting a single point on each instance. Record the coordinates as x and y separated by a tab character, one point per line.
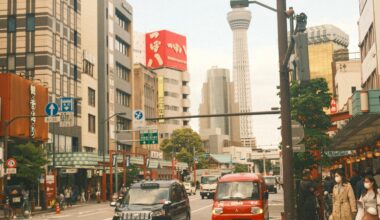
150	196
238	191
270	180
209	179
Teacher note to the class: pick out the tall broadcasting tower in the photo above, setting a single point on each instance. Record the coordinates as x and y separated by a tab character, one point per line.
239	20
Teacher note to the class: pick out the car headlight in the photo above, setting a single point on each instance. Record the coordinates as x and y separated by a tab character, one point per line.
160	212
256	210
217	211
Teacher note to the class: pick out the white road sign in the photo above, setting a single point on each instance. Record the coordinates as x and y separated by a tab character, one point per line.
67	119
12	171
53	119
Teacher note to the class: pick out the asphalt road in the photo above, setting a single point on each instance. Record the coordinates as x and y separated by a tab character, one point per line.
200	210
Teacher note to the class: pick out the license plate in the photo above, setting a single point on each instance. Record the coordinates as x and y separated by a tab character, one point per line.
16	199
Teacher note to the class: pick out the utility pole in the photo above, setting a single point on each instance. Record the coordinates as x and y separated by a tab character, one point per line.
195	168
286	131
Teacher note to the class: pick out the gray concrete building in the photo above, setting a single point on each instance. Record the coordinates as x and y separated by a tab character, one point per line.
112	20
218	98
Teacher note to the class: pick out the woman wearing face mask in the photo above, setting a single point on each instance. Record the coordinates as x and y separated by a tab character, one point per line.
344	202
369	201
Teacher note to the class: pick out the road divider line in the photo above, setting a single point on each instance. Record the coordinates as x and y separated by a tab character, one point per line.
197	210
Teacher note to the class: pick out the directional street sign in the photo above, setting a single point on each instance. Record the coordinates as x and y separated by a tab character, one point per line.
114	160
51	109
67	104
148	137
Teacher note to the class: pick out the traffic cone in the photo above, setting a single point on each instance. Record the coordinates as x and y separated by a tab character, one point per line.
57	209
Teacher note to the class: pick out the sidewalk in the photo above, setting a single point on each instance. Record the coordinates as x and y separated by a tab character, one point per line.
39	211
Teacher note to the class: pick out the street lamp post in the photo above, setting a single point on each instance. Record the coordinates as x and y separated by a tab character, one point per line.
104	176
286	131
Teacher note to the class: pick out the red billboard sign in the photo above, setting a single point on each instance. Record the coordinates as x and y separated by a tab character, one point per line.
166	49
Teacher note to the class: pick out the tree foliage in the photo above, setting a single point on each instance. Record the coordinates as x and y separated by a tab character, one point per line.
182	143
309	102
241	168
30	161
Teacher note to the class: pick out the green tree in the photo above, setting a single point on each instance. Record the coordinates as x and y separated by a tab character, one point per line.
30	161
132	174
182	143
309	102
241	168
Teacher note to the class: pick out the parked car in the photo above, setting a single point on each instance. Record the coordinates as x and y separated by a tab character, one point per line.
271	182
241	196
190	188
154	200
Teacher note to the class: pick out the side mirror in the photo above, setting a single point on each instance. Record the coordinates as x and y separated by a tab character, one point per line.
266	195
113	204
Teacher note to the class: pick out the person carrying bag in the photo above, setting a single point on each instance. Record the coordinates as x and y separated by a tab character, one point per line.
369	200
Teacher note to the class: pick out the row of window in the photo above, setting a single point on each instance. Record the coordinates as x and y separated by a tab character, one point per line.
30	24
123	123
171	108
121	46
171	94
91	123
367	43
122	72
122	21
171	81
123	98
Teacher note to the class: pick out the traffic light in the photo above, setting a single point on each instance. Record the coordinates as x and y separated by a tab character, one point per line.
239	3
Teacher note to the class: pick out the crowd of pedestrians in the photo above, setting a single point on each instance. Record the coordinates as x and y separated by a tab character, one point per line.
357	198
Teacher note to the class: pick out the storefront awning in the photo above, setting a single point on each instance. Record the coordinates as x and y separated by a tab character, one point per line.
359	130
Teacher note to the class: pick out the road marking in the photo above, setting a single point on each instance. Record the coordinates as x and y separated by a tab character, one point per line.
197	210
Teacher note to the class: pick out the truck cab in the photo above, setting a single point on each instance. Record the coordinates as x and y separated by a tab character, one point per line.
208	186
241	196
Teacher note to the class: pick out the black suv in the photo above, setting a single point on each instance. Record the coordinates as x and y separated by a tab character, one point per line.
153	200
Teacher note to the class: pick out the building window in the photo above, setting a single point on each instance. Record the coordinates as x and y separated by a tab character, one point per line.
122	72
30	61
121	46
171	108
30	22
11	62
88	67
121	20
91	123
122	98
171	94
91	97
123	123
75	72
11	23
76	5
76	38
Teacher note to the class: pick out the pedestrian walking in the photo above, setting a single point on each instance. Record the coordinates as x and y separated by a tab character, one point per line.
82	196
98	195
328	184
344	202
369	201
360	184
68	194
307	200
355	178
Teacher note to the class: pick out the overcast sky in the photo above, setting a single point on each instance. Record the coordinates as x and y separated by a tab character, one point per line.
209	43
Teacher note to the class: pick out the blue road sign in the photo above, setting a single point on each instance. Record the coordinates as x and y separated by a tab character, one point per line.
67	104
51	109
139	115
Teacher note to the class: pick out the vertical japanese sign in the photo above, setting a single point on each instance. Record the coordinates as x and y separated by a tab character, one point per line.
33	106
161	103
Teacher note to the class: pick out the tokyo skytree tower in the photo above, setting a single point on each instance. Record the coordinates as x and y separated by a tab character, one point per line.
239	20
